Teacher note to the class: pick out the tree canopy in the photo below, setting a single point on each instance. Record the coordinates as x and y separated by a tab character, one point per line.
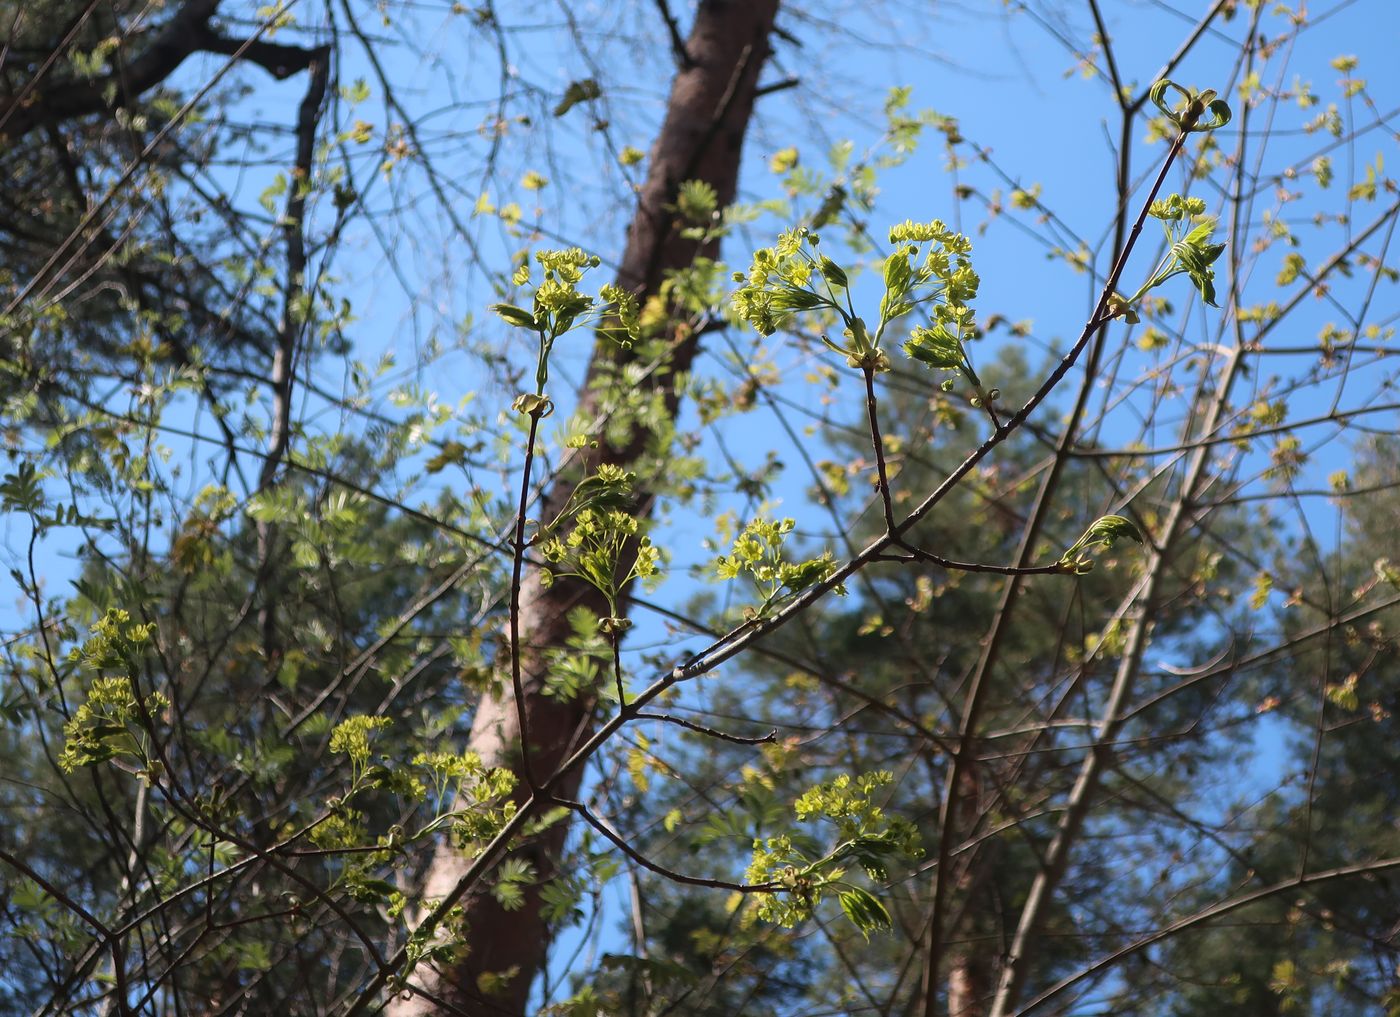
736	508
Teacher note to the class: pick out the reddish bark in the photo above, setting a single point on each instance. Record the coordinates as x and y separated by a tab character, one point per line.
969	984
970	959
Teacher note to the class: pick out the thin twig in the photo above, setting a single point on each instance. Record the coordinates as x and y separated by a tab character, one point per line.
673	29
879	444
517	568
710	732
620	842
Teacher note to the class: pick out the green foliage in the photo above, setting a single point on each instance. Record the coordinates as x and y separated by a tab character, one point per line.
1190	107
1188	233
1102	533
867	837
757	552
577	92
793	277
114	721
330	583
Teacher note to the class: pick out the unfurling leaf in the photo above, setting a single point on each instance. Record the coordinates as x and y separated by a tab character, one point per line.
1107	529
453	453
865	911
697	201
577	92
783	160
833	272
1118	307
516	316
936	347
1101	533
1189	113
535	405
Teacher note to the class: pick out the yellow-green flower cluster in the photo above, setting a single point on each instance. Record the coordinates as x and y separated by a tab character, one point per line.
475	794
849	803
594	550
794	276
775	860
628	328
111	723
1176	208
758	553
780	279
945	280
559	304
557	299
115	643
351	737
936	231
866	836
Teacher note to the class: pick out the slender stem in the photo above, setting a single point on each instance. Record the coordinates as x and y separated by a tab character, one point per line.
1107	44
710	732
913	553
615	638
517	569
682	55
879	443
54	891
1057	854
620	842
393	968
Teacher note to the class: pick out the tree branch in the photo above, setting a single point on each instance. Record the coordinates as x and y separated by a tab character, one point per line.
1211	913
187	32
683	57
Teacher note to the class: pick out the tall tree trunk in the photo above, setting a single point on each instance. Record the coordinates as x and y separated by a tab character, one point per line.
970	958
701	138
969	982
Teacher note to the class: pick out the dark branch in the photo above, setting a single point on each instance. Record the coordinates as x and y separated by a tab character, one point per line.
279	60
777	86
186	32
683	58
771	736
627	849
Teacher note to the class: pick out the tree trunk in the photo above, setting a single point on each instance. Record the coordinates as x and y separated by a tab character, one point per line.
970	958
701	138
969	983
